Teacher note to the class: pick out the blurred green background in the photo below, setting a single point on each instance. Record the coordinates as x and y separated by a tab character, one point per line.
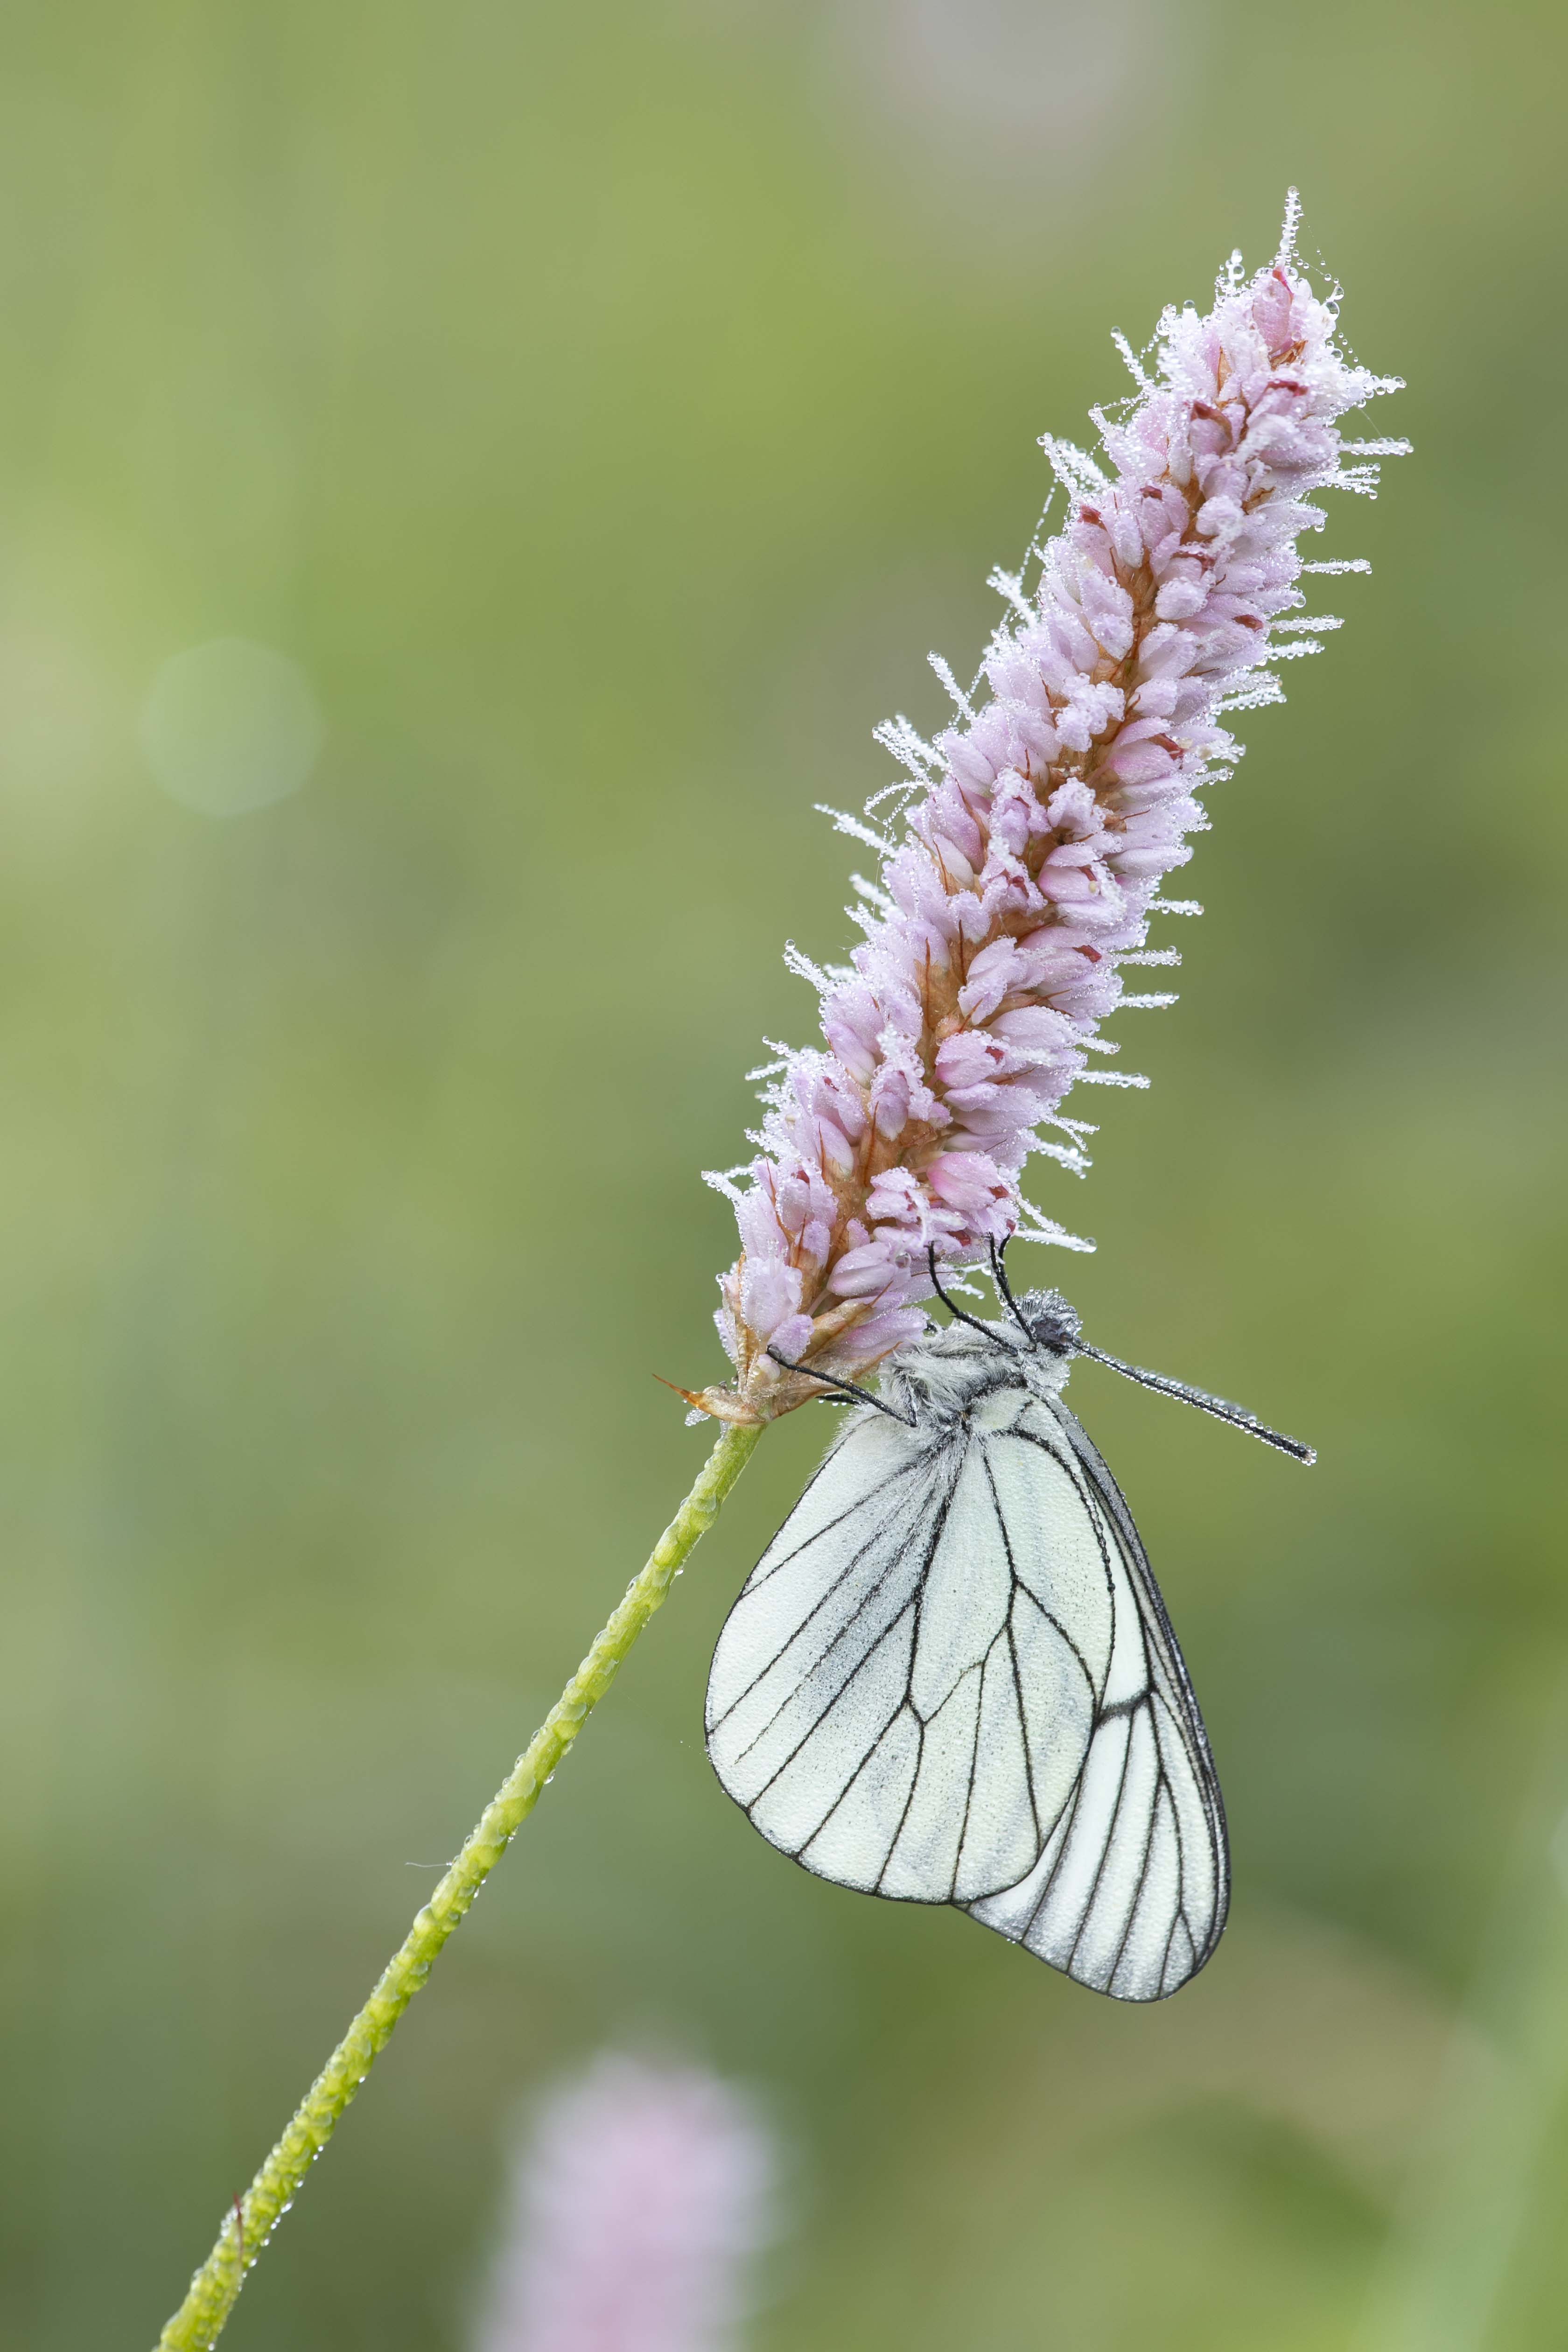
605	408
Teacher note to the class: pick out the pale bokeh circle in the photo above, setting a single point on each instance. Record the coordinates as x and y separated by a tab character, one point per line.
230	726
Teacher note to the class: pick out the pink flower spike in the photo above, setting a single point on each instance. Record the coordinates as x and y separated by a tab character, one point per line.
1036	836
635	2209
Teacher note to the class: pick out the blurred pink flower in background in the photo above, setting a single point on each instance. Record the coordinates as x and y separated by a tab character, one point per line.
636	2203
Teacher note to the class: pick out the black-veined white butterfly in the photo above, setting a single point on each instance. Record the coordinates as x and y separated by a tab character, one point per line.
951	1678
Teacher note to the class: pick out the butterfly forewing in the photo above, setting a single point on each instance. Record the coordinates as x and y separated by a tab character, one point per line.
866	1706
814	1660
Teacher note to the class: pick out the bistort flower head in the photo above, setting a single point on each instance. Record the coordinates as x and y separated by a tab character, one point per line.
1033	837
637	2204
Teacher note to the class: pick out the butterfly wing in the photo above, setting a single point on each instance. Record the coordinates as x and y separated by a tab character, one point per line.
888	1703
1131	1887
951	1679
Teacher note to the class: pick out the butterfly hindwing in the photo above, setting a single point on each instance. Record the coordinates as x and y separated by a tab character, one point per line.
1129	1891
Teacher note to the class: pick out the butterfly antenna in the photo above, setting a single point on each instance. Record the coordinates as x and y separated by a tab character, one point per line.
846	1388
1005	1290
1237	1416
985	1330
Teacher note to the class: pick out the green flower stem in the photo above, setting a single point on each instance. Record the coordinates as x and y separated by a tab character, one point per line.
247	2228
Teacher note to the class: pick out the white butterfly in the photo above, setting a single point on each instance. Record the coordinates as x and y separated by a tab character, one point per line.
951	1678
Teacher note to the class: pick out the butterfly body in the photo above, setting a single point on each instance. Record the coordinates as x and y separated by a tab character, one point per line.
950	1678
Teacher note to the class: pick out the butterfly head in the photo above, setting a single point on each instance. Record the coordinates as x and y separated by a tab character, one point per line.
1051	1322
937	1379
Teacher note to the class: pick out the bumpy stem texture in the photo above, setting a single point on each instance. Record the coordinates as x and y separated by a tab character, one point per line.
248	2225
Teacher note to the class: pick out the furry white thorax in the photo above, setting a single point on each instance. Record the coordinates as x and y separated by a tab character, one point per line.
939	1378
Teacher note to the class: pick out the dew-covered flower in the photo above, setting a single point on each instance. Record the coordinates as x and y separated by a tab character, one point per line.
1029	845
636	2205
